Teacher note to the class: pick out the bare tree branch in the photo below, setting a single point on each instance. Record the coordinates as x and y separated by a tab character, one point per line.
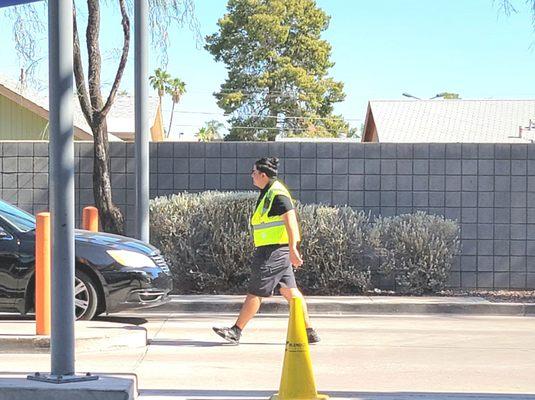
532	12
79	76
93	54
27	25
506	7
163	14
90	94
124	57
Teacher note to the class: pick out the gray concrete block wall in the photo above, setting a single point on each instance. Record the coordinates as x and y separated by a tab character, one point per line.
488	188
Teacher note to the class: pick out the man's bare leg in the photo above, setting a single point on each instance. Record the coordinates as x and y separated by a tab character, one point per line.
248	310
288	293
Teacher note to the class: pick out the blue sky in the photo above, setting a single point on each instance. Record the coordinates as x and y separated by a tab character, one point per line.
381	48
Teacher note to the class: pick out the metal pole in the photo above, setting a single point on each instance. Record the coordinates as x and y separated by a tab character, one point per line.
61	153
142	123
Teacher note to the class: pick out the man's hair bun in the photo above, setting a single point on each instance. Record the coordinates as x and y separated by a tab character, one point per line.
268	165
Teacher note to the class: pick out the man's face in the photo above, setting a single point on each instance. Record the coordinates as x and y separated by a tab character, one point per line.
260	179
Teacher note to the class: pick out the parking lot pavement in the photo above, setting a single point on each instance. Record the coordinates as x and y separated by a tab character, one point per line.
258	395
363	357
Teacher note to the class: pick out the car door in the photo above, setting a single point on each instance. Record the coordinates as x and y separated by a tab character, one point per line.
9	262
25	268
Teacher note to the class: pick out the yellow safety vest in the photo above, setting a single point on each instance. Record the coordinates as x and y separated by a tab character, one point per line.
270	230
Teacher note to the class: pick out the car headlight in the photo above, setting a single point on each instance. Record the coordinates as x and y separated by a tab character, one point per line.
131	258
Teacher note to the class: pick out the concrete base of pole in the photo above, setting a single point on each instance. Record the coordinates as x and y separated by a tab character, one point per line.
59	379
105	388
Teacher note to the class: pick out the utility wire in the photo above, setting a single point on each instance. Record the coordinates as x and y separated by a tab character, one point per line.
257	127
260	91
249	94
268	116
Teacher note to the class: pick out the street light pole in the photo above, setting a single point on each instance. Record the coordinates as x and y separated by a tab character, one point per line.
61	148
141	10
61	183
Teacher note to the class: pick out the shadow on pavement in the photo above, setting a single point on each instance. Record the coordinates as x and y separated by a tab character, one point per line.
187	343
263	394
131	320
16	317
123	320
199	343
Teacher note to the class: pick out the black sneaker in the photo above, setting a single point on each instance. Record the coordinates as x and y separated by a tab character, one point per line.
229	334
312	336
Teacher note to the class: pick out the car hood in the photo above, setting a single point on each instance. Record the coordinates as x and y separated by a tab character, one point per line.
111	241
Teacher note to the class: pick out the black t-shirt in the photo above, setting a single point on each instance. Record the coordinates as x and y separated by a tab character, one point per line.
281	204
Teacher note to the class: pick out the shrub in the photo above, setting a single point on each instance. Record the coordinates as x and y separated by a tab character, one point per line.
419	251
339	247
207	241
205	237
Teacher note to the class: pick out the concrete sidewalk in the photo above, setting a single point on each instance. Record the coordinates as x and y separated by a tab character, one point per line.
366	357
18	336
348	305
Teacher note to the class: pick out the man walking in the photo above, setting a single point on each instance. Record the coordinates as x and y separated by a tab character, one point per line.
276	235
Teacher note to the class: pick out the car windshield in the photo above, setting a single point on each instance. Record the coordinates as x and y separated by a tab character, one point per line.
21	220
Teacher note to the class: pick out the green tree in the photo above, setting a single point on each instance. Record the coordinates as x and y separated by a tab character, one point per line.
210	131
354	133
277	70
176	88
28	24
160	81
448	95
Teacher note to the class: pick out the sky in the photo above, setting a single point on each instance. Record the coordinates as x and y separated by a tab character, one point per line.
381	49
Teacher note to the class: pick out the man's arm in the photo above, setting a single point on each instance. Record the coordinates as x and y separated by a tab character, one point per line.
292	227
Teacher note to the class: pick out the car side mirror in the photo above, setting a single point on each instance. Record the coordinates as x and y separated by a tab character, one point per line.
4	235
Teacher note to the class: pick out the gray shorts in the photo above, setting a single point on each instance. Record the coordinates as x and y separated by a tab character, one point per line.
271	267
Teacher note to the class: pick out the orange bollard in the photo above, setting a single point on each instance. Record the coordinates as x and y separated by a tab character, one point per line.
90	219
42	274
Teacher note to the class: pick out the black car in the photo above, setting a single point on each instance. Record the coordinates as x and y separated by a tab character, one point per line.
113	272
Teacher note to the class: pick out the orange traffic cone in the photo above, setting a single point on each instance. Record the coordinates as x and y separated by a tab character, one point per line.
297	380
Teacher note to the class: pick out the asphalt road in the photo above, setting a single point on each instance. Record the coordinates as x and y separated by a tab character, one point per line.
361	357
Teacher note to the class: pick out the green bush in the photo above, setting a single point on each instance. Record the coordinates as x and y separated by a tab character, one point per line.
419	251
205	238
339	247
207	241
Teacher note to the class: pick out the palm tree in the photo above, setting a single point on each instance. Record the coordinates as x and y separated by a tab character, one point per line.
159	82
210	131
202	135
176	88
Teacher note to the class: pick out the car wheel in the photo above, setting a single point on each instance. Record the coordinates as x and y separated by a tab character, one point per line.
85	297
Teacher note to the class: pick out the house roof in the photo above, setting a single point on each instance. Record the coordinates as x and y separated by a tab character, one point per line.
120	120
462	121
38	104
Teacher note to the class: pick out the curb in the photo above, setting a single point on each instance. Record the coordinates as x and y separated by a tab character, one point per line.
348	305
